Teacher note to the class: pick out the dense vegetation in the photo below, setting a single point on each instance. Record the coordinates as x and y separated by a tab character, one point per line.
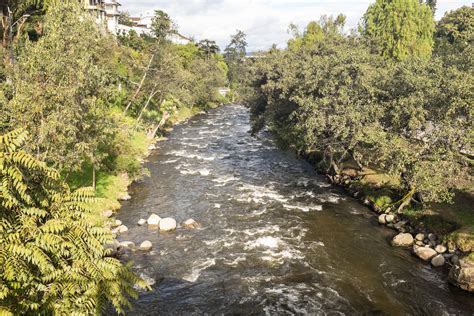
87	104
396	98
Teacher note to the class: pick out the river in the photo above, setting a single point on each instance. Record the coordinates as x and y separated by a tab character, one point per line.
275	238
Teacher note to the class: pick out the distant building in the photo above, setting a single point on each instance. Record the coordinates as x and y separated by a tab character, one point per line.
106	13
96	8
112	15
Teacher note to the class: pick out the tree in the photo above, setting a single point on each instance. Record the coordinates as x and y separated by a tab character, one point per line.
237	48
124	19
162	26
53	258
455	31
400	29
208	48
234	55
60	90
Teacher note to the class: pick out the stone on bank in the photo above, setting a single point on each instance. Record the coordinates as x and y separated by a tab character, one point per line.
403	240
425	253
462	275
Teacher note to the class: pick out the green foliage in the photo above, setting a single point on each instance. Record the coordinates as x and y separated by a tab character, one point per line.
162	26
333	96
455	32
57	90
53	258
400	29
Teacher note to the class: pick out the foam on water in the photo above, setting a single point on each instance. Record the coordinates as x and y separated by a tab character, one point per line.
193	276
306	209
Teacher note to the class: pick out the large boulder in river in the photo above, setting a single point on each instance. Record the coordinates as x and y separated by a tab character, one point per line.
190	223
462	275
154	220
168	224
122	229
425	253
146	245
403	240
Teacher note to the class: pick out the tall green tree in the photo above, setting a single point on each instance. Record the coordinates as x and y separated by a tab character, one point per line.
59	91
208	48
455	31
53	259
400	29
234	55
162	26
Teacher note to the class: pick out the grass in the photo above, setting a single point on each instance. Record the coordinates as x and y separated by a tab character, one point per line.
113	184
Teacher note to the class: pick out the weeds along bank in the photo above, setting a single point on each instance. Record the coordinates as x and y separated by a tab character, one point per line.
390	114
80	108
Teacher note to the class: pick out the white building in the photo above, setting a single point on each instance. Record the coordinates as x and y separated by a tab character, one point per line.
112	15
106	13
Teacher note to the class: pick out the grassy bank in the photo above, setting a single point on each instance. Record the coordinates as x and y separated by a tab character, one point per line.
454	222
112	184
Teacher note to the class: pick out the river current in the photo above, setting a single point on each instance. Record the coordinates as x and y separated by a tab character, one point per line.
275	237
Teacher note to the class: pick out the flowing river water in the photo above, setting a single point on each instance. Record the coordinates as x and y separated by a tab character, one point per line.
275	238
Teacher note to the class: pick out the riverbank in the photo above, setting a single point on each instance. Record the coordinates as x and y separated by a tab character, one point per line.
272	234
439	234
112	186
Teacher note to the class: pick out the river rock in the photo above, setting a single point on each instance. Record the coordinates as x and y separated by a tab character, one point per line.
154	220
122	229
107	214
390	218
190	223
146	245
438	261
125	197
117	223
420	237
167	224
382	219
425	253
114	246
152	147
462	275
402	240
455	259
127	244
142	222
432	237
440	249
399	225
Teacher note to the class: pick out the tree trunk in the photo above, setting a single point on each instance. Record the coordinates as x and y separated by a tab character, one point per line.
162	123
140	85
153	93
94	178
406	200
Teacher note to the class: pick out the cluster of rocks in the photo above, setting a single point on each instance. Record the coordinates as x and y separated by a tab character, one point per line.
424	245
153	222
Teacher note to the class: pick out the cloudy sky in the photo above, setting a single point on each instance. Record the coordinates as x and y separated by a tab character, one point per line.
264	21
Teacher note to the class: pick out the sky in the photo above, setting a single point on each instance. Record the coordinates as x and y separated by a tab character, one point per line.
264	21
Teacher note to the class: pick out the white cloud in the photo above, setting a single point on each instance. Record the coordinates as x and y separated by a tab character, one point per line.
264	21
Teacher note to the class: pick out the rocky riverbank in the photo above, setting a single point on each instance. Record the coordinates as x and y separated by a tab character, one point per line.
424	244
